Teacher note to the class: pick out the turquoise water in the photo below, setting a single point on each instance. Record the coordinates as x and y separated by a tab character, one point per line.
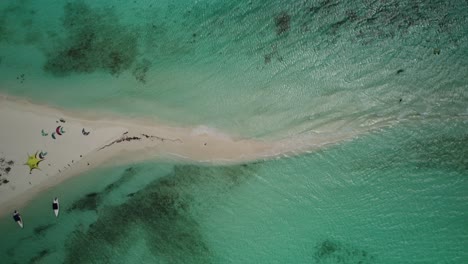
262	69
255	68
397	196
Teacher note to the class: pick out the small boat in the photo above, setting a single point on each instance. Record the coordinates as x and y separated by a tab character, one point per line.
17	218
56	206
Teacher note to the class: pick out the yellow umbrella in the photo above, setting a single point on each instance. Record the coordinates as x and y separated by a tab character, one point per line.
33	162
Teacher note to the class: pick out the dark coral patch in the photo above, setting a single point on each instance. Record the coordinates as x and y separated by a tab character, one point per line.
95	41
5	33
40	230
267	58
282	23
165	210
326	248
126	176
39	256
140	70
329	251
89	202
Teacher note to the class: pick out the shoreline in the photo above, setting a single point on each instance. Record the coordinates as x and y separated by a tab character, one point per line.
113	140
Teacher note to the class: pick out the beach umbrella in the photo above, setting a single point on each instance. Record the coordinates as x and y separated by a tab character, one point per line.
33	162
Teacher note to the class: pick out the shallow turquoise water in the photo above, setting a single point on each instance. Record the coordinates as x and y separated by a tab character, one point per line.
257	68
263	69
396	196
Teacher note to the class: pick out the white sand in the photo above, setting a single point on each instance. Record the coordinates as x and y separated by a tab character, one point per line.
21	123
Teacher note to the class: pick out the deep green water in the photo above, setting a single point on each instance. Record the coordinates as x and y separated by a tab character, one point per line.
262	69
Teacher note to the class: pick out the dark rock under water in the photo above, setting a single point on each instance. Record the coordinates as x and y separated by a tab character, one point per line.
163	209
96	40
330	251
37	258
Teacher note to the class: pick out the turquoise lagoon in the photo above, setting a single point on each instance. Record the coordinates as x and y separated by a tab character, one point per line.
263	69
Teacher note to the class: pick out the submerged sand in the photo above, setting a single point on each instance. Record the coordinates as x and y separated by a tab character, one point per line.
114	140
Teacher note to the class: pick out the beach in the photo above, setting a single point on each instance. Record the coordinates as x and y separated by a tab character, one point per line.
31	129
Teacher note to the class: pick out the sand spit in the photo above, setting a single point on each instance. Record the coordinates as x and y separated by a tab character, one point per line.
64	144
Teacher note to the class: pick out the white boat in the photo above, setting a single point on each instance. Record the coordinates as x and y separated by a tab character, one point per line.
20	223
56	206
